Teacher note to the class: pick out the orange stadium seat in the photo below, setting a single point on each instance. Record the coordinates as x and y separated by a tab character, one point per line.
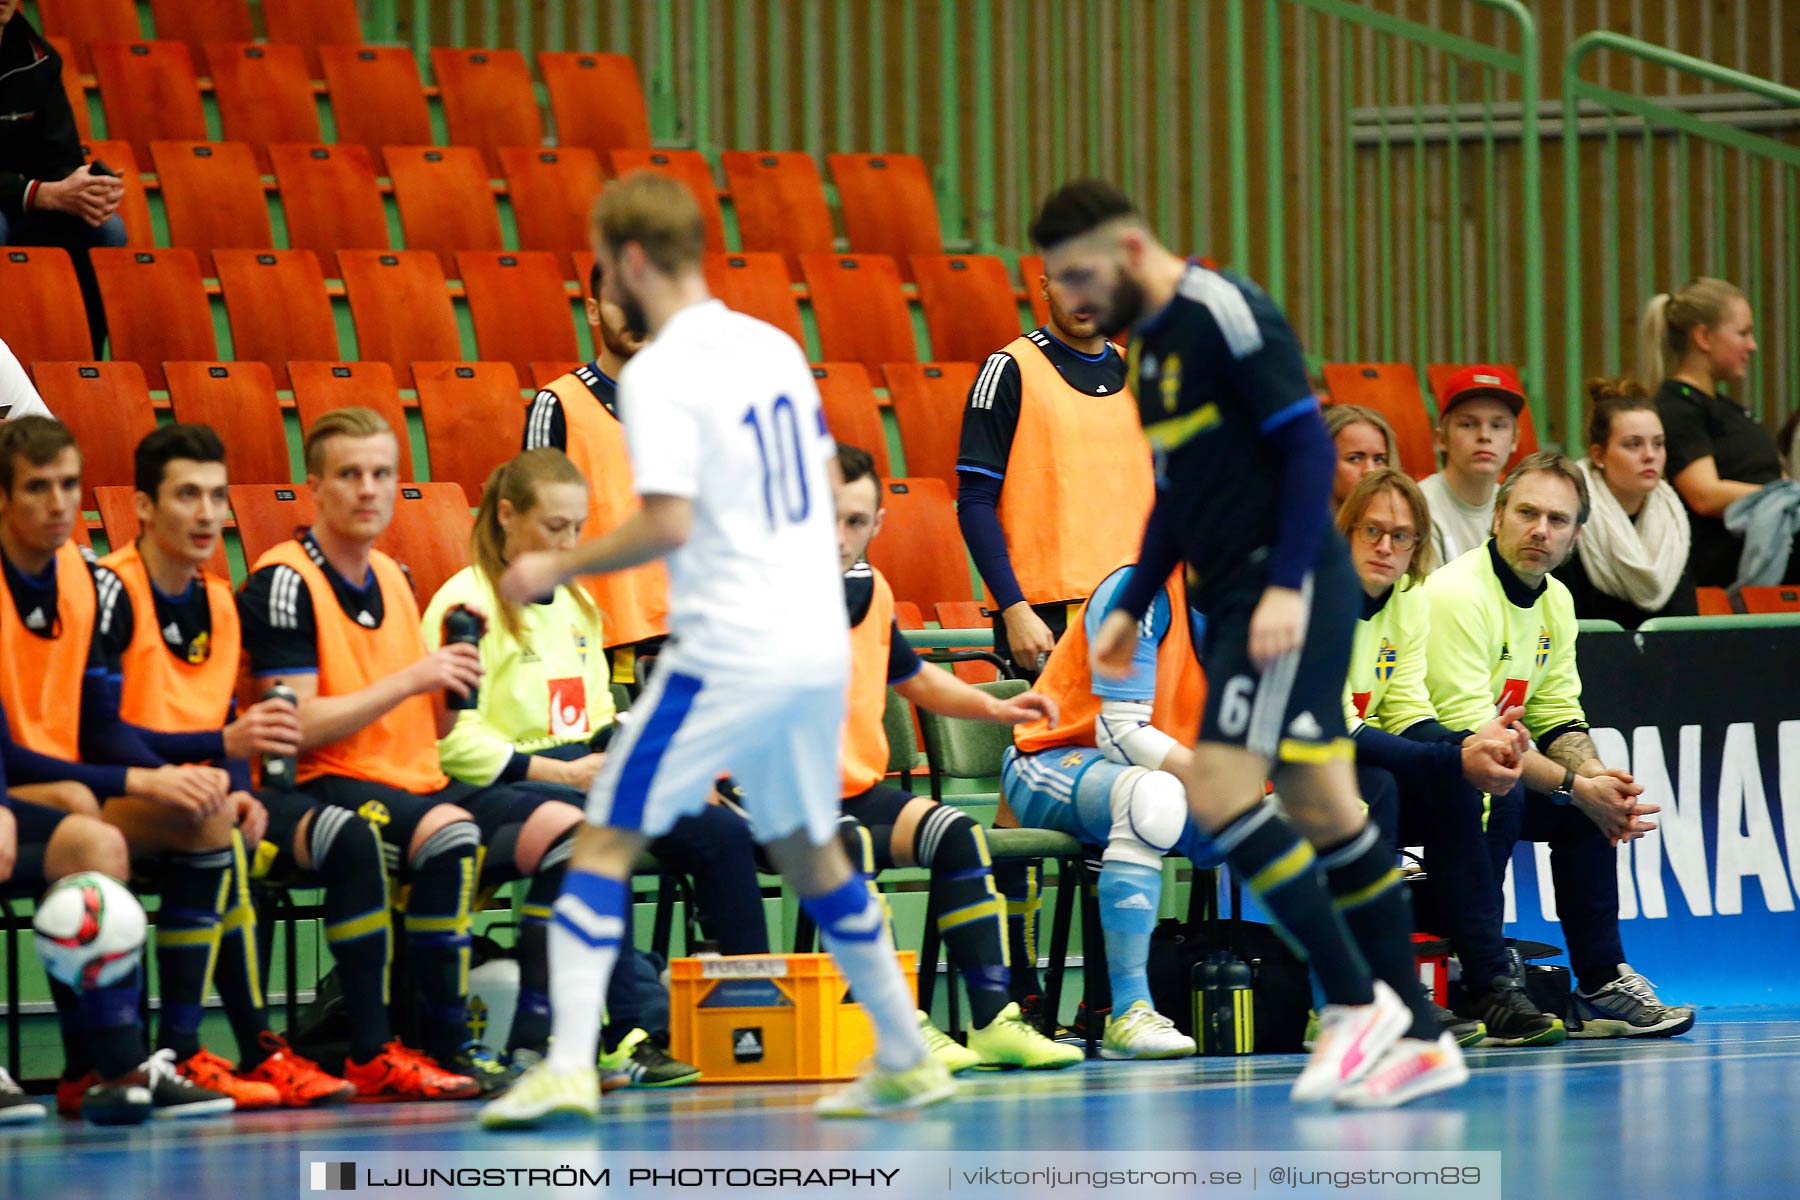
596	100
928	399
320	387
1031	270
543	373
149	92
920	547
488	99
213	197
907	615
518	307
757	284
82	22
1714	602
268	514
969	307
780	203
553	192
860	310
1438	374
135	210
429	535
238	400
312	24
851	409
446	202
71	81
196	24
331	199
1775	599
967	614
264	94
277	306
401	308
118	516
1391	389
377	98
156	308
41	311
106	405
474	418
690	167
888	205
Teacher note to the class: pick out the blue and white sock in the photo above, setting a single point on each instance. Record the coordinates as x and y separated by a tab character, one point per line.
1130	896
587	921
856	933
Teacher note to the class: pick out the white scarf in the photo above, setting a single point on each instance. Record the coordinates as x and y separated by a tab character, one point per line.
1638	561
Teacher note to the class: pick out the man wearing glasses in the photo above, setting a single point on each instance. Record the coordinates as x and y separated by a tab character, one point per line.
1436	777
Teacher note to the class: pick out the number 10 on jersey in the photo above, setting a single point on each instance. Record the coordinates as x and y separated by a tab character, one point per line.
785	493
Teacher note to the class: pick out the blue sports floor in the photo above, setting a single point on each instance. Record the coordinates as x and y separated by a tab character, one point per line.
1713	1114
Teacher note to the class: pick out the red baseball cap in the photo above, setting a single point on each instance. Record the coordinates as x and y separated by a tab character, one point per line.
1483	381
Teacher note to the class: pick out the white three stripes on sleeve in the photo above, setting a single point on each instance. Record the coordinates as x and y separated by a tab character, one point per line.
537	421
1228	308
982	394
284	599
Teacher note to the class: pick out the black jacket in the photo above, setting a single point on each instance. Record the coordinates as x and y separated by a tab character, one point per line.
38	140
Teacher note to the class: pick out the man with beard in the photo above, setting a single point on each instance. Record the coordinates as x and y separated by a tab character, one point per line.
578	414
1503	634
1244	473
1053	477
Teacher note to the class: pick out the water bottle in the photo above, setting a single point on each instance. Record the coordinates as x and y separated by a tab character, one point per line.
278	769
465	625
1224	1004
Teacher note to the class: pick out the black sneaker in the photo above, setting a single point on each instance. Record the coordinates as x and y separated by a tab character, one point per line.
1628	1007
638	1062
1466	1031
15	1105
155	1089
1511	1018
1075	1033
486	1068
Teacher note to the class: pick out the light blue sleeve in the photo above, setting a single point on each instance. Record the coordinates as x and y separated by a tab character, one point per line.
1141	683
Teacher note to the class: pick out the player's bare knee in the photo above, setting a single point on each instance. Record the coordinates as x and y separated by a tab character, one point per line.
547	822
606	850
1149	815
437	818
302	847
86	844
811	870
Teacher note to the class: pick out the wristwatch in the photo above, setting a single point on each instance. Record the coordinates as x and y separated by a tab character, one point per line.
1566	793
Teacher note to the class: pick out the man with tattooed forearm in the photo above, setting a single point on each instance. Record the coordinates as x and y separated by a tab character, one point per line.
1503	635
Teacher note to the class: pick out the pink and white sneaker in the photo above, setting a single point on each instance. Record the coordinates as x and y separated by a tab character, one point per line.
1352	1038
1411	1068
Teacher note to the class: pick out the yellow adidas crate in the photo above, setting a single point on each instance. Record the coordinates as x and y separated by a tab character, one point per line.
770	1018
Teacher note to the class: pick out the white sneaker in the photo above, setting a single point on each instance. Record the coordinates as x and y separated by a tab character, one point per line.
877	1092
1411	1068
1144	1033
543	1093
1352	1039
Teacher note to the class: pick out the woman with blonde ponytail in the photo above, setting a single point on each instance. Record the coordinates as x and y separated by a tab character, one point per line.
1693	341
543	718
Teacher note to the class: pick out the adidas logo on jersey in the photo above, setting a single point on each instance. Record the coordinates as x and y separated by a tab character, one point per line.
1136	902
365	619
1100	389
172	634
1305	726
36	619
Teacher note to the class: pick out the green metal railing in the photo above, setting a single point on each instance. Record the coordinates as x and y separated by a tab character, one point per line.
1704	202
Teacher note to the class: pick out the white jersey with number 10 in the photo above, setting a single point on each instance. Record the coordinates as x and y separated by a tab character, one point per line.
722	409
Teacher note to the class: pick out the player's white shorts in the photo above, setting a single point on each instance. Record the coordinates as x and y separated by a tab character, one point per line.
780	741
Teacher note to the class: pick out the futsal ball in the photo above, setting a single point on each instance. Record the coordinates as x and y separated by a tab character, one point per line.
90	931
